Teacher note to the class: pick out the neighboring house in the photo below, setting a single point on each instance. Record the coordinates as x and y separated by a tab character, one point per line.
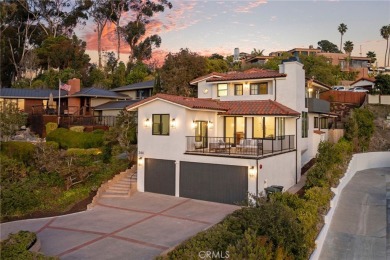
108	112
259	60
139	90
29	100
349	63
367	83
245	131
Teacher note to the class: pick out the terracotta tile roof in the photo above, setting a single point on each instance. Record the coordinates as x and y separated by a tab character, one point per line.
253	73
257	107
210	75
190	102
253	107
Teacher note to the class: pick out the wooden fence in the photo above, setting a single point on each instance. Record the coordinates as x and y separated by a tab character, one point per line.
348	97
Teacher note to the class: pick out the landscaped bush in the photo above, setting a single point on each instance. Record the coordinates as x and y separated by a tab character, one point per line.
16	247
51	127
83	152
21	151
70	139
78	129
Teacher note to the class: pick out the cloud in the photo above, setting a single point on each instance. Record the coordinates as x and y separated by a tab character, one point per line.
251	5
273	18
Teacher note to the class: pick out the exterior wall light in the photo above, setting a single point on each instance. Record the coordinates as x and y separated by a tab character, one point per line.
252	171
173	123
140	161
147	123
193	124
210	124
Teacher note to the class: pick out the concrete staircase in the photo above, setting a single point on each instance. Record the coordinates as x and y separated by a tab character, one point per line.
123	185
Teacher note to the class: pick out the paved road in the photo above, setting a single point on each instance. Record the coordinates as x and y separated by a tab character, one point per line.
360	223
139	227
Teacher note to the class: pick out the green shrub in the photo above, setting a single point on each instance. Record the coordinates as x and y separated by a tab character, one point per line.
321	197
11	170
70	139
53	144
83	152
16	247
78	129
51	127
21	151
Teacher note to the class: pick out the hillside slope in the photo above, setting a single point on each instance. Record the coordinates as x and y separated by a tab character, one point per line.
381	138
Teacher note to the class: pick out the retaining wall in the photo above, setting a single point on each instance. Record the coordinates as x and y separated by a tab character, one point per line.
358	162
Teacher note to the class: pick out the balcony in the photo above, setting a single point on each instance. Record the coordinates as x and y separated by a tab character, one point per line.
316	105
245	148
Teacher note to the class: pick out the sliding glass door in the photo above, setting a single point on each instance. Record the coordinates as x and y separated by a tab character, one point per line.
201	132
234	129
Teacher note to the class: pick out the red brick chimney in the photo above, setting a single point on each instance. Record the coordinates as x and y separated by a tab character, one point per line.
75	83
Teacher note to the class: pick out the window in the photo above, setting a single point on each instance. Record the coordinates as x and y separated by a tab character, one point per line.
264	127
238	89
304	125
222	90
259	89
324	123
160	124
281	126
315	122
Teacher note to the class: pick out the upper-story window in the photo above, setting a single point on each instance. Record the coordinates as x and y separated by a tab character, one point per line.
238	90
259	89
160	124
222	90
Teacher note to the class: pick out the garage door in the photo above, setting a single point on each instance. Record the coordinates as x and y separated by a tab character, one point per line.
160	176
213	182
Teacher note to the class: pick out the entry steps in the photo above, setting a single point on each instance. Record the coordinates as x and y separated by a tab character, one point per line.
123	185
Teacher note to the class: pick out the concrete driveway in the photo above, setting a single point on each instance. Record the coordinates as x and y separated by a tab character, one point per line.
140	227
359	226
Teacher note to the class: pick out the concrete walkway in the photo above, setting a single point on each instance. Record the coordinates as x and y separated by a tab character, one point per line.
360	224
139	227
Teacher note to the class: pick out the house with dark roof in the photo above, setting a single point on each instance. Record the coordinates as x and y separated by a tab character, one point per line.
244	132
139	90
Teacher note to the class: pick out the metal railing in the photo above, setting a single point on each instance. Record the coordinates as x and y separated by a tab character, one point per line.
87	120
244	147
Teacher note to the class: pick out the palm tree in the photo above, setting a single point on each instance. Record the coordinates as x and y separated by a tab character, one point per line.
342	29
348	47
258	52
385	33
372	56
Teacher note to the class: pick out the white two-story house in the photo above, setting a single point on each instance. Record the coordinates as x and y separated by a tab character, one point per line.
245	131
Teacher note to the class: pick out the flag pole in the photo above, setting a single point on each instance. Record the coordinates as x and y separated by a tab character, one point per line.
59	100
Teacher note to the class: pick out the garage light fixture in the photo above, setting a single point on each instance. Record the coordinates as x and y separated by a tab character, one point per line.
140	161
252	171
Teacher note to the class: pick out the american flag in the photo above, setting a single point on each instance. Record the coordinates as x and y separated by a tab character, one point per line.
65	86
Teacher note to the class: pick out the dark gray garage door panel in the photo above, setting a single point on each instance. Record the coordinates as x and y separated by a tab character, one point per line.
213	182
160	176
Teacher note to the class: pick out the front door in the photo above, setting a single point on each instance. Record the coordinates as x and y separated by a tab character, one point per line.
201	133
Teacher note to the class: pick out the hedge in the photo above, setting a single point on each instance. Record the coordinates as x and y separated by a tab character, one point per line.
21	151
70	139
16	247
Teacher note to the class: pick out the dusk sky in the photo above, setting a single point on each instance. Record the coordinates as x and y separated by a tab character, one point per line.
210	27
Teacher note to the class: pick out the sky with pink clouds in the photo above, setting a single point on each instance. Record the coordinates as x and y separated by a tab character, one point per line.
210	27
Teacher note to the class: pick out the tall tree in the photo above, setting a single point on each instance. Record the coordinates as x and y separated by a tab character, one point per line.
57	17
179	69
258	52
17	30
134	32
385	33
348	47
372	56
342	29
118	7
100	12
327	46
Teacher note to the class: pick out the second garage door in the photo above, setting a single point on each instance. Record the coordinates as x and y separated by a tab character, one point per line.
213	182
